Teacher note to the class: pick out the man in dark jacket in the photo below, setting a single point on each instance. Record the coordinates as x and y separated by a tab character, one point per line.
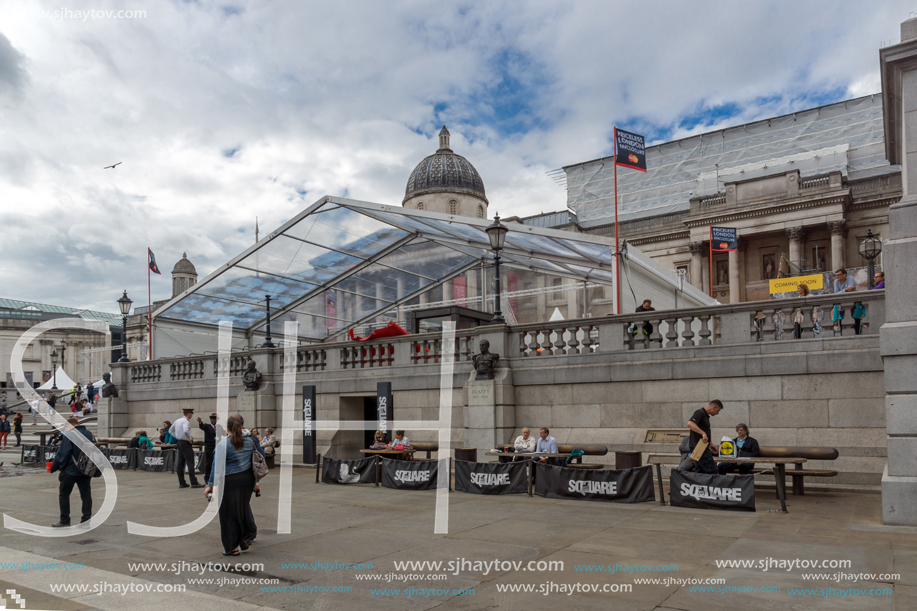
747	447
210	441
65	461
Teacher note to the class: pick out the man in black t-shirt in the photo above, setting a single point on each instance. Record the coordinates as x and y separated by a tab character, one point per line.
699	425
646	306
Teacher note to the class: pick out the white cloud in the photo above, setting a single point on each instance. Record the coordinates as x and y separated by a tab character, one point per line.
329	98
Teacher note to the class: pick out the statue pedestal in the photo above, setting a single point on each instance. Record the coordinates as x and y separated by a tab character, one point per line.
256	408
490	412
112	417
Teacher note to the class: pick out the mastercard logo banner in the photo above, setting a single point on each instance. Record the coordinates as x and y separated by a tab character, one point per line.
630	151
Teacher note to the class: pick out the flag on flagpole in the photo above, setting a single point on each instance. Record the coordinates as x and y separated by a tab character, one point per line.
152	261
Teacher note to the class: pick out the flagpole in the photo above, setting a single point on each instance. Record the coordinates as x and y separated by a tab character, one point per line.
617	244
711	260
149	301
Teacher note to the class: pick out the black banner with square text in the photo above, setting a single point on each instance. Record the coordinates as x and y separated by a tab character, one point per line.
621	486
712	491
491	477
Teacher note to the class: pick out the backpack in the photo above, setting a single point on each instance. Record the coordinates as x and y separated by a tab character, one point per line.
259	464
87	467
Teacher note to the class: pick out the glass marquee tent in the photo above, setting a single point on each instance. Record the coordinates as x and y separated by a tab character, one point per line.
342	263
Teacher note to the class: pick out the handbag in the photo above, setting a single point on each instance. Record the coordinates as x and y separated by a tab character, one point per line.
259	463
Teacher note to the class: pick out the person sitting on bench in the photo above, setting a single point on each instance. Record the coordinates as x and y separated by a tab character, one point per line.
747	447
400	440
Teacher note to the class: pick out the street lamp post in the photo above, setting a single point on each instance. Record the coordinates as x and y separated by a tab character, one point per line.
54	370
497	235
125	305
870	248
267	334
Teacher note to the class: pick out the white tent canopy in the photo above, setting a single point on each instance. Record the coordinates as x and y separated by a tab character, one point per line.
63	381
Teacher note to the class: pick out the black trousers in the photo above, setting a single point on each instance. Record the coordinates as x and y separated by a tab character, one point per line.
66	487
185	457
207	461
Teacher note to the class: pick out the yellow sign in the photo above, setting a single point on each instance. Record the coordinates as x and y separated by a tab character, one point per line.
788	285
726	448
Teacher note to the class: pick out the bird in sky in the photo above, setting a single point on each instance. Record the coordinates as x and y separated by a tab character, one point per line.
111	167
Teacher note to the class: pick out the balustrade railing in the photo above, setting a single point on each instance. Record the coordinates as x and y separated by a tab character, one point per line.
554	339
797	318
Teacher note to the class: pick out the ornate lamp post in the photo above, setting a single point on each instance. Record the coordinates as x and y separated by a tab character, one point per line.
497	235
54	369
870	248
125	305
267	334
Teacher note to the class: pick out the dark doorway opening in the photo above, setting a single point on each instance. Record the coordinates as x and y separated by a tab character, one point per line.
370	415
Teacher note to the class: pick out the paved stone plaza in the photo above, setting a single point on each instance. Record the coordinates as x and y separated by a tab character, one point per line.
365	524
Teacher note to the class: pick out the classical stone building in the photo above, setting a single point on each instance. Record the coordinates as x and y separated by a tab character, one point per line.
84	355
803	190
447	183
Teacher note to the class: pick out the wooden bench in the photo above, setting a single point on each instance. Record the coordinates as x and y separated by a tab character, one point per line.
425	446
799	473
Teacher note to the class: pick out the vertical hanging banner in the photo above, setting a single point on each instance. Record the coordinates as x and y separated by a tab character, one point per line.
308	425
724	239
629	150
384	408
458	289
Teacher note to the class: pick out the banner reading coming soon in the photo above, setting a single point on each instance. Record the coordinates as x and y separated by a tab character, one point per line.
409	474
361	471
624	486
490	478
711	491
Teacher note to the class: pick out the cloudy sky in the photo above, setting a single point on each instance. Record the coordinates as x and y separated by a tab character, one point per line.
224	111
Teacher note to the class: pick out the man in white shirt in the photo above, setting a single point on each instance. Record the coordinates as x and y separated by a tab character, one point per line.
546	444
181	430
525	442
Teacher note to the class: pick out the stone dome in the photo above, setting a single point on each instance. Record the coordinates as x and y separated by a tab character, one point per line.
444	172
184	266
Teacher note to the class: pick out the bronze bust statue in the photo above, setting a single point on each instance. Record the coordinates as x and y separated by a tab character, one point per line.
108	389
485	363
251	377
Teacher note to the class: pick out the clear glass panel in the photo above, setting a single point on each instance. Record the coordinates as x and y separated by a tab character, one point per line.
347	231
305	262
534	262
237	283
210	310
385	283
460	230
598	252
428	259
411	223
538	244
596	275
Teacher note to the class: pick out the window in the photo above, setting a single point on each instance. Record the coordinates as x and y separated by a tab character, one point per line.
528	299
420	206
557	295
453	207
480	211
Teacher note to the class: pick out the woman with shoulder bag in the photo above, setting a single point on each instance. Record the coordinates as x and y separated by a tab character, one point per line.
238	485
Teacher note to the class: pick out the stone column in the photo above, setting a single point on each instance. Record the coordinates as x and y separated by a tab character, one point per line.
898	336
735	281
697	264
448	291
838	232
797	236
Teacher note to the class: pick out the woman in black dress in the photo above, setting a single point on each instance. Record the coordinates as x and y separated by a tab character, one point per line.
236	523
